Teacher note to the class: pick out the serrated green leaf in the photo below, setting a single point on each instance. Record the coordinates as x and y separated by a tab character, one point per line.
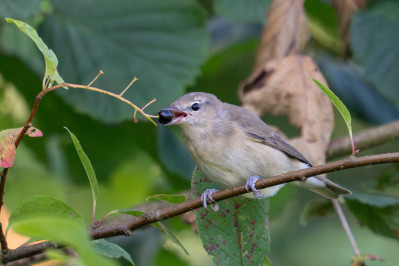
42	205
378	212
50	58
171	199
243	11
238	233
316	208
377	200
21	9
111	250
147	39
173	153
64	232
339	105
374	39
88	168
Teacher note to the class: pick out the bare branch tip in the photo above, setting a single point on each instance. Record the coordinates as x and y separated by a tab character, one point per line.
128	86
98	75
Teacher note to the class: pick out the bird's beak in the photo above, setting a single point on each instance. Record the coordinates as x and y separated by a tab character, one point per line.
171	115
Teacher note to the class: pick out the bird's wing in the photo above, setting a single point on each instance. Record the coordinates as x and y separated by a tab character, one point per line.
258	131
272	139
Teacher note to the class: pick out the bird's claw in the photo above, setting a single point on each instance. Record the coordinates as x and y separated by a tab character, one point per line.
204	199
250	186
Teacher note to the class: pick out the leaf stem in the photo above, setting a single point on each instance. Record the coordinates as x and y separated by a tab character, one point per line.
345	225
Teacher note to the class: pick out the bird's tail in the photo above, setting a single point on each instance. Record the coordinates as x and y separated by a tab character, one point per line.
323	187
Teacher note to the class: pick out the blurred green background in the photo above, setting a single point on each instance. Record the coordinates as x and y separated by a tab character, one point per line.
174	47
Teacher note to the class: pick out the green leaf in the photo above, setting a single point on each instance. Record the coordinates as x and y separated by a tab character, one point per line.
64	232
374	39
88	168
42	205
158	225
171	199
323	24
111	250
55	254
173	153
243	11
376	200
50	58
319	207
20	9
376	211
238	233
339	105
388	179
162	43
164	229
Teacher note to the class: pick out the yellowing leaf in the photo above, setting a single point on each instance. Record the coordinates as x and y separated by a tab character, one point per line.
7	144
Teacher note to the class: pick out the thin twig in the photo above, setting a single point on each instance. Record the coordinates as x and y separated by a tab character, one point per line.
345	225
3	241
98	75
128	86
366	139
166	213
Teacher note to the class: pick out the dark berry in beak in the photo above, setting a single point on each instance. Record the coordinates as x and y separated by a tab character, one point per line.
165	116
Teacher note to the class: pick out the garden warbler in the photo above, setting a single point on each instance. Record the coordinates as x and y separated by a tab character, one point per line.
231	146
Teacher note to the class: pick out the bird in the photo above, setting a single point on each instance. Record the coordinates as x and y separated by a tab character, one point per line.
232	145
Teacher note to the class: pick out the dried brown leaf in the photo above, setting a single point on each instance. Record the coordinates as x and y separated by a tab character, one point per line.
283	87
286	31
345	10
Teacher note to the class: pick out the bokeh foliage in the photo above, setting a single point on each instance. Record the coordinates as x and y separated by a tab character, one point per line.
174	47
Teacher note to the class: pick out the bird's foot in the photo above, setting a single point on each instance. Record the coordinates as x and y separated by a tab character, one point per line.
250	186
204	198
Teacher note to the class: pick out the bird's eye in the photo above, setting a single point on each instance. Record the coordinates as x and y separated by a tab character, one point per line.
195	106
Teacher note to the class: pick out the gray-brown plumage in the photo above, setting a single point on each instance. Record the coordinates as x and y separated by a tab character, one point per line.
232	145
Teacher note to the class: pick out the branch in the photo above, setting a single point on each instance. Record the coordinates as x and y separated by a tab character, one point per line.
26	251
3	242
366	139
85	87
171	211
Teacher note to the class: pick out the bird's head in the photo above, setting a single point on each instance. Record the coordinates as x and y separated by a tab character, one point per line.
192	109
